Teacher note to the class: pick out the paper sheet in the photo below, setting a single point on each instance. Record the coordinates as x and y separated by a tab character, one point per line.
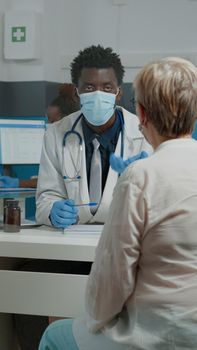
83	230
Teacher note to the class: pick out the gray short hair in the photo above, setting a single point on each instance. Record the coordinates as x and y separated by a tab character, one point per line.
167	89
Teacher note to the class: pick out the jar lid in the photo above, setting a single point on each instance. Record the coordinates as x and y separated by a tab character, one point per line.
12	202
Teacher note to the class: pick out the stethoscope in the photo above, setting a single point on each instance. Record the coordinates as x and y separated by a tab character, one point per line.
77	165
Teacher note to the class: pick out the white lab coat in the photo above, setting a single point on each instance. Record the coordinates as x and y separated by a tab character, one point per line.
51	185
142	289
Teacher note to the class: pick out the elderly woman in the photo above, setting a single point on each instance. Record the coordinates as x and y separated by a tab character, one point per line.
142	289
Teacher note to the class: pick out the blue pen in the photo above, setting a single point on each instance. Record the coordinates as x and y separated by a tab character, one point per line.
90	204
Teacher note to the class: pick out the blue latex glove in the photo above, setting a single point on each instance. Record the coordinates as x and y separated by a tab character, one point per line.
8	181
119	165
63	213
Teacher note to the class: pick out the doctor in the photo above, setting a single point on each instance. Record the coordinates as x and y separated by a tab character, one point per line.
72	171
68	174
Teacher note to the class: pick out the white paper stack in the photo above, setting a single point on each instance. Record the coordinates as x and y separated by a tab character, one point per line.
83	230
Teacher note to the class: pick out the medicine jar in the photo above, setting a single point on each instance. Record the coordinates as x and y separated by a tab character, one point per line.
12	216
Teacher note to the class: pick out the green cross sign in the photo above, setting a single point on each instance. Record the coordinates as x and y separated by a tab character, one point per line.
18	34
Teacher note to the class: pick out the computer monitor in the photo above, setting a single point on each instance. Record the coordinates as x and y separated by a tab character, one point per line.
21	140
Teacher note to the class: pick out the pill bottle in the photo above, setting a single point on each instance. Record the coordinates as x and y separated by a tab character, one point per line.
11	216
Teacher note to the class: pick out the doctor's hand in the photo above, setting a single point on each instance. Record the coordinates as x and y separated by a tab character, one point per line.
9	182
119	165
63	213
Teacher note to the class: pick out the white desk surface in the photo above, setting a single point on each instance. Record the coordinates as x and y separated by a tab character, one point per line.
47	243
40	293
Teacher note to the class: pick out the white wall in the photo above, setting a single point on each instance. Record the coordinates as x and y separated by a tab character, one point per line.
140	30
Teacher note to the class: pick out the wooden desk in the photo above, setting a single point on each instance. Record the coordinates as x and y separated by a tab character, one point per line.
38	293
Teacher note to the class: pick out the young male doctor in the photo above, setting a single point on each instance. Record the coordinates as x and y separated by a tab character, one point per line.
75	167
73	171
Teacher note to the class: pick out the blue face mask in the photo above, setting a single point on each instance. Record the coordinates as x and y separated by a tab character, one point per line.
98	106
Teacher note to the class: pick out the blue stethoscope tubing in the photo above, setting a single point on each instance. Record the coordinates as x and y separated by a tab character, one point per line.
73	131
77	134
